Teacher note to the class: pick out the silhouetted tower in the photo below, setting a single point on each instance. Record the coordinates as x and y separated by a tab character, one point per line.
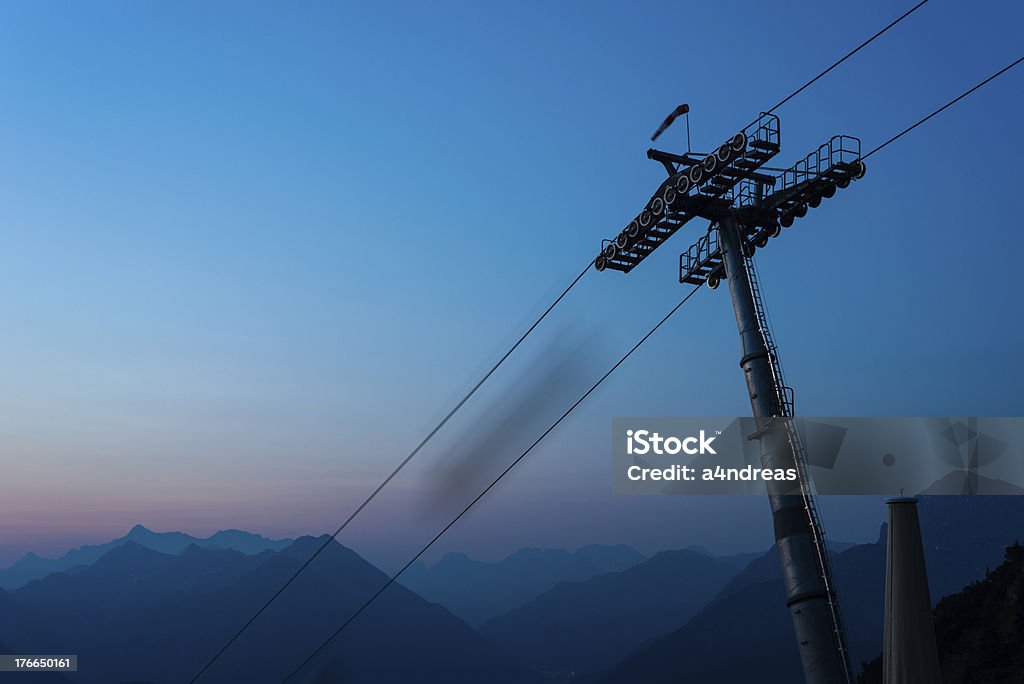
747	208
909	654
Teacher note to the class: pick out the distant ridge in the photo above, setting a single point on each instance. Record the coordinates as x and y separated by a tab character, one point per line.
477	591
138	615
32	566
586	626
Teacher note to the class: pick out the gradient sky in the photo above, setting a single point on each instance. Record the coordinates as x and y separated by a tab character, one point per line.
250	254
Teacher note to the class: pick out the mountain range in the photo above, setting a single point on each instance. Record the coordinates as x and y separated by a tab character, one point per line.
600	614
32	567
139	615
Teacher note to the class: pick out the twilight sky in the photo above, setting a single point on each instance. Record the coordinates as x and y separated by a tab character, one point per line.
250	254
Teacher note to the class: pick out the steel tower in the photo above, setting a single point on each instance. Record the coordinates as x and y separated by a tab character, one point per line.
747	207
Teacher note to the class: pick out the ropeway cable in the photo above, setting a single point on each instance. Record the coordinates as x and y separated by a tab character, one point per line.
845	57
390	477
391	580
945	106
394	577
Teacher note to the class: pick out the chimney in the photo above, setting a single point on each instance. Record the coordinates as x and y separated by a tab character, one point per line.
909	654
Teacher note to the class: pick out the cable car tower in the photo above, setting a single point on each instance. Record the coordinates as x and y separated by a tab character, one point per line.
747	205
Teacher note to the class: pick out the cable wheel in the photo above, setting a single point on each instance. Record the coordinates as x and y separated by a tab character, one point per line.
828	190
713	282
762	239
610	251
814	201
633	229
786	220
683	184
600	264
695	174
669	196
622	240
645	219
800	210
861	170
657	206
738	142
724	154
775	231
710	163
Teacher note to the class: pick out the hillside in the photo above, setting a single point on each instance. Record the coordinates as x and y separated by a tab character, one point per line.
477	591
751	627
579	627
979	630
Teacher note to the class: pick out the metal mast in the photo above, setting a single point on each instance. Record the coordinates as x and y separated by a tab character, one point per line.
747	208
799	536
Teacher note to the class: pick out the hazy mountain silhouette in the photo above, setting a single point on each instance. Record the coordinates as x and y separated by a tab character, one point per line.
764	566
32	567
477	590
578	627
746	631
140	615
737	560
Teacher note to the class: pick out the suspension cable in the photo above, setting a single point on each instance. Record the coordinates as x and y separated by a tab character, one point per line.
479	496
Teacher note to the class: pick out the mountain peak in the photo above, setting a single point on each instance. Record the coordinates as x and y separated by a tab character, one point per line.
456	556
139	531
130	554
697	548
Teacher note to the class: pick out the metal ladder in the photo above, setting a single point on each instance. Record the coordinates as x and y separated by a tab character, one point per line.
785	398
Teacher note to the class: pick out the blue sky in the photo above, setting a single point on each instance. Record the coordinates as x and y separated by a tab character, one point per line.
250	254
